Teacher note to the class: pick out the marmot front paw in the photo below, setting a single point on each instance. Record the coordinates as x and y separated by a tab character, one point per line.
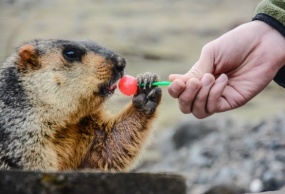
147	97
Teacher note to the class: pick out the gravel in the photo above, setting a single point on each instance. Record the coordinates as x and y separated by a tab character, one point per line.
222	155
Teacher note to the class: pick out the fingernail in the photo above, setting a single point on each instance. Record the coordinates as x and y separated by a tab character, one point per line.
222	78
206	80
172	88
193	85
175	86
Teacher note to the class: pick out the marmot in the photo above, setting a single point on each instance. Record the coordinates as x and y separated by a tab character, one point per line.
52	95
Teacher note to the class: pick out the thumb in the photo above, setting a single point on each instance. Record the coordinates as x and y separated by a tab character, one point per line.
205	64
173	77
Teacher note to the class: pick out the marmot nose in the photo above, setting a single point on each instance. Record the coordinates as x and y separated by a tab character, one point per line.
119	63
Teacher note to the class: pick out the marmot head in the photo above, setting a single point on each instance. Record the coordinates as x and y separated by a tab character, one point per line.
63	73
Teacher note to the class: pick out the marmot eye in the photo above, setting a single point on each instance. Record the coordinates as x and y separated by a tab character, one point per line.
72	54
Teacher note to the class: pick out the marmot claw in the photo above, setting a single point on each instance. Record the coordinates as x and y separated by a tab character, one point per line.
147	79
147	98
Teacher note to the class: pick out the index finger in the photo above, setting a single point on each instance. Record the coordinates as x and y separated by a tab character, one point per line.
176	88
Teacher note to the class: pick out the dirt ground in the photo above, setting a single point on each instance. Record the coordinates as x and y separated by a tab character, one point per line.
160	36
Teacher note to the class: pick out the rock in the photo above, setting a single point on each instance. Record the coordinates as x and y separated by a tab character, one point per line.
256	185
235	154
188	132
30	182
225	189
272	181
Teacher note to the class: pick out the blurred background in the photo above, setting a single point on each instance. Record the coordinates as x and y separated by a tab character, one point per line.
162	36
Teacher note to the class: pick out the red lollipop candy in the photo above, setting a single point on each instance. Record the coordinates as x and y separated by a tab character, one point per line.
128	85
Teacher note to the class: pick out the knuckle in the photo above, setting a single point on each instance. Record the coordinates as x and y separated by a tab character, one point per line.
184	107
184	111
174	91
207	47
193	86
173	94
198	115
211	108
200	98
194	72
183	101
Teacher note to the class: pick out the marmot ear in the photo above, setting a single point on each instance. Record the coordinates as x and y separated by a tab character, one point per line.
28	58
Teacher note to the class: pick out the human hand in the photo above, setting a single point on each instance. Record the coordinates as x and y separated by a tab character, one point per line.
230	71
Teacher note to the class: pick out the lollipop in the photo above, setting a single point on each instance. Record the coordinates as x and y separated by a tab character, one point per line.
128	85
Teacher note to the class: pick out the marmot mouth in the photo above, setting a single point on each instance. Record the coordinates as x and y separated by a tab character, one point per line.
108	88
111	89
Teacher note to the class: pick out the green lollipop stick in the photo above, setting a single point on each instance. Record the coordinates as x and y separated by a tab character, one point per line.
163	83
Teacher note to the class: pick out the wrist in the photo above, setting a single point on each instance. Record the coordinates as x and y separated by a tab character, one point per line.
280	28
273	41
271	22
274	29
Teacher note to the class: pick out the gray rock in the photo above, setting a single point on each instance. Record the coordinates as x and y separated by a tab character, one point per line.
28	182
188	132
234	154
225	189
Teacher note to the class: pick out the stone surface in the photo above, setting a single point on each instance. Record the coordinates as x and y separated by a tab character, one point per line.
28	182
234	154
187	132
270	192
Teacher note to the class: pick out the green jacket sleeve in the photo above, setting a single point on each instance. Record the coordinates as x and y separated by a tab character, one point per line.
273	8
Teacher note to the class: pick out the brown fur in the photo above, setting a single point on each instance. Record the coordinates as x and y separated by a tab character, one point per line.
72	128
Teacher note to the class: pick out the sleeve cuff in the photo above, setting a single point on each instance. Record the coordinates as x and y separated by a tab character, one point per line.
271	22
280	76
